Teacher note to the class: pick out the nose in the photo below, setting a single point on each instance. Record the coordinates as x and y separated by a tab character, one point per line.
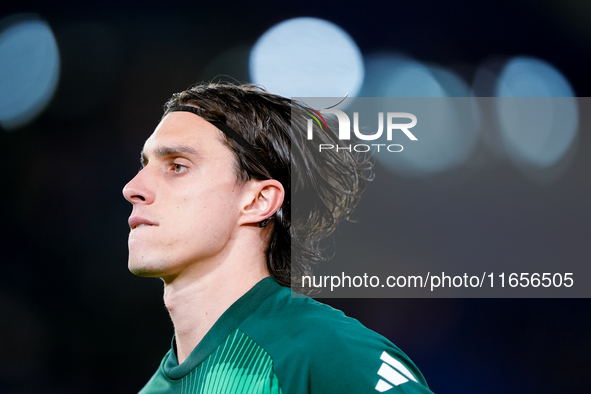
136	190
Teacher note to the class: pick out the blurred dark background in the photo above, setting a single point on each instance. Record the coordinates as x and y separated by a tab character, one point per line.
75	320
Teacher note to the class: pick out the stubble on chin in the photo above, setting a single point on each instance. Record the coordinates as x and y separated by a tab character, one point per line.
144	269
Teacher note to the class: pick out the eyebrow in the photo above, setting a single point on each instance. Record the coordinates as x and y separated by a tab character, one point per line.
163	151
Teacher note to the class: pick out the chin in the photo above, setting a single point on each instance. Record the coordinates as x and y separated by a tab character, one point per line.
143	272
141	268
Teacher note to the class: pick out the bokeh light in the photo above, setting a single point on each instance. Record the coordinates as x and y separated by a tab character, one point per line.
29	68
392	75
531	77
307	57
537	113
452	84
448	128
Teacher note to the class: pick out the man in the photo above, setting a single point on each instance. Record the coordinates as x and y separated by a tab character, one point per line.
212	217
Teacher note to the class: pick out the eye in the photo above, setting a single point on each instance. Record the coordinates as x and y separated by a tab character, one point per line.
178	168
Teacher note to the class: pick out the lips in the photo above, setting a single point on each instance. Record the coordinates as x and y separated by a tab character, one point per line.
136	222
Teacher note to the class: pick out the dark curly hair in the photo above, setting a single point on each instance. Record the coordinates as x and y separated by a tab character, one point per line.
325	186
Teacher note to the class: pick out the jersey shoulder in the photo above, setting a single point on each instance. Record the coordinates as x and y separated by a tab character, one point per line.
318	349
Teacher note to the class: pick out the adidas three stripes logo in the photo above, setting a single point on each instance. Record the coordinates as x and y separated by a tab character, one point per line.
392	373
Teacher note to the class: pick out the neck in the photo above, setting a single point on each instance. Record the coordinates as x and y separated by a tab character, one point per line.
196	299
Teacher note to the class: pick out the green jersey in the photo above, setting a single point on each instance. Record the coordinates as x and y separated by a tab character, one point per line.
270	342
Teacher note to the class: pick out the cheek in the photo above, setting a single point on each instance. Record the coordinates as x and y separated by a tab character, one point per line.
209	216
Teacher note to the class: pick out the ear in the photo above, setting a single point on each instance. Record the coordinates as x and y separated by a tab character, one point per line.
264	199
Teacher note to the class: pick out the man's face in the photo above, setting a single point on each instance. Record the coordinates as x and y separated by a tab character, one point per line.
186	199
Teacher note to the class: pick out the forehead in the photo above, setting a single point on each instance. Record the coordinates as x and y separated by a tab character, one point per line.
185	129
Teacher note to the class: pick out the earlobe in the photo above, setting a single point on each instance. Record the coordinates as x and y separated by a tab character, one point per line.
266	198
